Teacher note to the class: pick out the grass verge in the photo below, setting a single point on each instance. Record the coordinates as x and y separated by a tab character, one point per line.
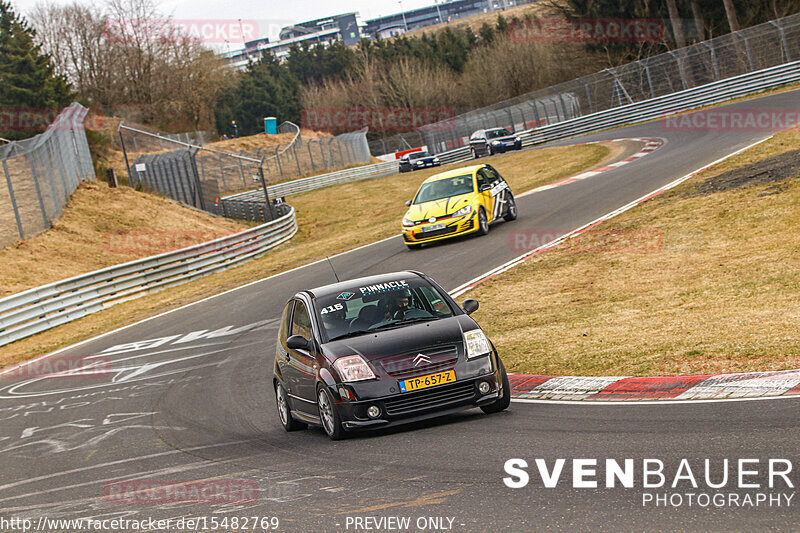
325	229
102	227
700	280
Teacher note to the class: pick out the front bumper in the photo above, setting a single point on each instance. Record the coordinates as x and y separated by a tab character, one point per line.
402	408
505	147
453	227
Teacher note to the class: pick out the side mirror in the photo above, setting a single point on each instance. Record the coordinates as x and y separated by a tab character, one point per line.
408	203
470	306
297	342
485	187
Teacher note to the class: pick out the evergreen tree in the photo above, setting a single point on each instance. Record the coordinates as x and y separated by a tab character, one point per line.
266	89
27	78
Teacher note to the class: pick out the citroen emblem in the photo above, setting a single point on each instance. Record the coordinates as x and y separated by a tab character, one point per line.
421	358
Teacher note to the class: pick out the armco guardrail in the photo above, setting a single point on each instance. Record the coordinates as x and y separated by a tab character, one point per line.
655	108
662	106
42	308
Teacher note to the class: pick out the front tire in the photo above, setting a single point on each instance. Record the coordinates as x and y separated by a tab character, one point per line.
483	222
511	210
475	154
328	414
284	413
502	403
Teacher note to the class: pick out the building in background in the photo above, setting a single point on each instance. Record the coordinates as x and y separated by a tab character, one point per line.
349	29
345	28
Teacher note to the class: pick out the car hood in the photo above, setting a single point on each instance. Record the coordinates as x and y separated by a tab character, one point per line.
437	208
411	338
509	139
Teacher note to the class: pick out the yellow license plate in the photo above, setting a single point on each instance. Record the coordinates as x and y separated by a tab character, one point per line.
431	380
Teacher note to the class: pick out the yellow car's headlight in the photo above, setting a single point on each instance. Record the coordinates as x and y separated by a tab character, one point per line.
407	223
467	209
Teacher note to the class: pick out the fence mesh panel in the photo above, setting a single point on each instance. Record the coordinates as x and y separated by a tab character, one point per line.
756	48
38	175
202	177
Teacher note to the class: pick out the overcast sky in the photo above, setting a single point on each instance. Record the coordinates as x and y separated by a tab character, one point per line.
270	15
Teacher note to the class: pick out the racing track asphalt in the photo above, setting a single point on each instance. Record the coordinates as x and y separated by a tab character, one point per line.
197	408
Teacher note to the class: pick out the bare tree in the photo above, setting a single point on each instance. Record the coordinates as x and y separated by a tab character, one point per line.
730	11
130	60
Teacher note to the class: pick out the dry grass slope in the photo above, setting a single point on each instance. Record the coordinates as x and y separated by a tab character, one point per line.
721	295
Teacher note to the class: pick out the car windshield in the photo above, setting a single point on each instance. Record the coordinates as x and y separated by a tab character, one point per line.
494	134
387	305
444	188
418	155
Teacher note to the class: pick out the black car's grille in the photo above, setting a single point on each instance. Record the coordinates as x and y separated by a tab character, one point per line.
411	364
434	399
437	232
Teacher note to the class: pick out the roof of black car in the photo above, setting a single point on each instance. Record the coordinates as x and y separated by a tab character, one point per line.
334	288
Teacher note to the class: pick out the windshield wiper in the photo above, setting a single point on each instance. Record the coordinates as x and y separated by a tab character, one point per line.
400	323
350	334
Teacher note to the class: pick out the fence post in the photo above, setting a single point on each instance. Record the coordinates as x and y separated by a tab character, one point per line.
714	62
311	156
13	201
296	159
266	193
125	155
589	94
39	194
746	49
563	105
278	159
783	40
678	61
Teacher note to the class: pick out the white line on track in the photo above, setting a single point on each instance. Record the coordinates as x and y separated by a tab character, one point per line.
622	403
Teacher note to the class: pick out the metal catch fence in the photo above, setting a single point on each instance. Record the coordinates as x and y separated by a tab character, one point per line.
203	177
750	50
40	175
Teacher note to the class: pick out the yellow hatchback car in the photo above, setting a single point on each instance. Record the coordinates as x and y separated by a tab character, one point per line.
457	202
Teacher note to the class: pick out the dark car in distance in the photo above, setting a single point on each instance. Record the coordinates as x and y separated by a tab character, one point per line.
493	141
380	351
418	160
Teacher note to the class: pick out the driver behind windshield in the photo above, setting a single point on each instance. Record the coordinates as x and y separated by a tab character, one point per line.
399	304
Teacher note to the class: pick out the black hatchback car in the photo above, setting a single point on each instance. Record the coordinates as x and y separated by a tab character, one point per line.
493	141
380	351
418	160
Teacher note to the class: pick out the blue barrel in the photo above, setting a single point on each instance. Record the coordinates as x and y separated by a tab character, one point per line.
271	125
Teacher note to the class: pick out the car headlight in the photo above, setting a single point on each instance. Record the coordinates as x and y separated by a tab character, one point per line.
495	143
476	343
435	159
463	211
408	223
353	368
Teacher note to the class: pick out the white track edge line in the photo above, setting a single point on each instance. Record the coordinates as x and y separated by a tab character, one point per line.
659	401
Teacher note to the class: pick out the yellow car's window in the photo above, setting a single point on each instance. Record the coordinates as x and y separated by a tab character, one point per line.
444	188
